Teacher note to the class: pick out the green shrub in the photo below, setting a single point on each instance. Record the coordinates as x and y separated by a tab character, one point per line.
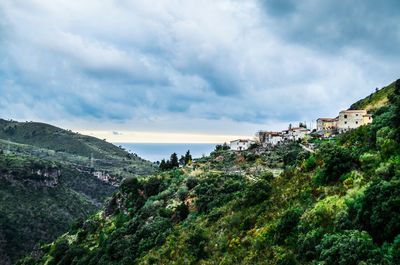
287	225
310	163
336	161
349	248
196	242
378	210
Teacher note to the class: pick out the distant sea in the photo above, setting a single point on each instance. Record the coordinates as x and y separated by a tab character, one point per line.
156	151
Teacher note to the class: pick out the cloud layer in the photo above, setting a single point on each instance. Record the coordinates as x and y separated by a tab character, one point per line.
191	65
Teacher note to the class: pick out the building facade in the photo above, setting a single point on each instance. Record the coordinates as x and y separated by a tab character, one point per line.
351	119
240	144
327	124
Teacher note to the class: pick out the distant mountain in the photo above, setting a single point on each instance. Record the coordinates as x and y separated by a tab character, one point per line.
46	136
55	144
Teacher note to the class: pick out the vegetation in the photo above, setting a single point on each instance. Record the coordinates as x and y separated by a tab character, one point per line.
339	205
49	178
39	200
173	162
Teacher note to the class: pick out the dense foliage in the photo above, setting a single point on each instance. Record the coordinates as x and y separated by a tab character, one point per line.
39	200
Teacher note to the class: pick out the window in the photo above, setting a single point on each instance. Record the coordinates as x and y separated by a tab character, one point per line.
357	115
345	122
356	122
345	116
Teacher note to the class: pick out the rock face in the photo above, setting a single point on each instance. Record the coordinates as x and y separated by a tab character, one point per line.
39	178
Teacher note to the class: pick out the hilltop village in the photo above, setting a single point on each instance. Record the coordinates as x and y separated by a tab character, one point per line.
326	127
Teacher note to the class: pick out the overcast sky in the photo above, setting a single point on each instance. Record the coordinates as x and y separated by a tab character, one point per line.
209	68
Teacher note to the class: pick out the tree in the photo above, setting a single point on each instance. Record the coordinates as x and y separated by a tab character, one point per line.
378	210
349	248
174	161
394	99
163	165
337	160
188	158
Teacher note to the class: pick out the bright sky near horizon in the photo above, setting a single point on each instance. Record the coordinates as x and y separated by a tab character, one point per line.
194	71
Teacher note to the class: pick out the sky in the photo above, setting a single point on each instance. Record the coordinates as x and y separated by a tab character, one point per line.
191	71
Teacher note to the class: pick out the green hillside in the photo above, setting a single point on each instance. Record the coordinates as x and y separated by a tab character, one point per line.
50	137
339	205
377	99
58	145
39	200
50	177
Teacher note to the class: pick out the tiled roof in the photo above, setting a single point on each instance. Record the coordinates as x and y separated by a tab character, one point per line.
327	119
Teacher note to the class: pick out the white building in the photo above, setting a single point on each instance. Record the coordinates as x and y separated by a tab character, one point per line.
270	138
351	119
298	133
240	144
274	138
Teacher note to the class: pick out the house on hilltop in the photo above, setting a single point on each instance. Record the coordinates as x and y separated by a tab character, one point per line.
351	119
326	124
240	144
327	127
298	133
270	138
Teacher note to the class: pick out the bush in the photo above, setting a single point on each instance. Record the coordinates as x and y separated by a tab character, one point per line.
310	163
287	225
336	161
349	248
152	187
196	243
258	191
379	211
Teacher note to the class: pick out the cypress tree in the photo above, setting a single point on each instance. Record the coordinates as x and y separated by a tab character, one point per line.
188	157
174	160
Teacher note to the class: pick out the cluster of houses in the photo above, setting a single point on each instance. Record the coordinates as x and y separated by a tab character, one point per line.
326	127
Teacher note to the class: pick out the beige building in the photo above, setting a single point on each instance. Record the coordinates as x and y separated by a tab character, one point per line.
351	119
327	124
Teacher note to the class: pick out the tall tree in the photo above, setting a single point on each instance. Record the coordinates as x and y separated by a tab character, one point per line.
174	160
163	165
188	158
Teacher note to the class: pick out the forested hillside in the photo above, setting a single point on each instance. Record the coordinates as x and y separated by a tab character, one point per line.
39	200
49	178
339	205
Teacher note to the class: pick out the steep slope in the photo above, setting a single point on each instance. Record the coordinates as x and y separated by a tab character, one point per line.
49	177
377	99
339	205
39	200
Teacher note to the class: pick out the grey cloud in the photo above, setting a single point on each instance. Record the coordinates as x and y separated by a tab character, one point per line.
131	61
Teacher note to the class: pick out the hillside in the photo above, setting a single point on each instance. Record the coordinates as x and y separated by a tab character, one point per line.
376	100
39	200
55	144
53	138
337	206
50	177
